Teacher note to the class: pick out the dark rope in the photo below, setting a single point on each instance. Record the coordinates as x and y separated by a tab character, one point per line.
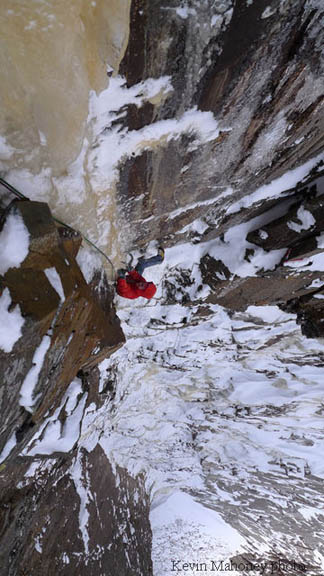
14	190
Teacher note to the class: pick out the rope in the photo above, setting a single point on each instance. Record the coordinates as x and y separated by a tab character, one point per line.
14	190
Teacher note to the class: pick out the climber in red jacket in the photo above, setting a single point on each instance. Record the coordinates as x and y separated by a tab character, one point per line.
131	284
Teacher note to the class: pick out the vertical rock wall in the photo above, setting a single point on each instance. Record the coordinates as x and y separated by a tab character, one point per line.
258	67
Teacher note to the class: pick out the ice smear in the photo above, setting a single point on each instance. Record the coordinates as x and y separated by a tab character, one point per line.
55	280
11	322
6	151
14	243
27	399
80	482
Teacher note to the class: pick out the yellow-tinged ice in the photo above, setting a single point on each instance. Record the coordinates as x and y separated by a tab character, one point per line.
52	53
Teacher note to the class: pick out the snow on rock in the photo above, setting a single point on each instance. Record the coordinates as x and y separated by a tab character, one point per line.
277	186
80	482
11	322
14	243
88	262
55	280
53	436
116	144
9	446
29	384
306	218
224	407
314	262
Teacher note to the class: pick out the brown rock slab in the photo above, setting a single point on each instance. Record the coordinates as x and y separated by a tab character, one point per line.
83	327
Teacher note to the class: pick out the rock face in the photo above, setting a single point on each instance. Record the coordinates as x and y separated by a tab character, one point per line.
258	68
302	221
81	334
41	518
63	509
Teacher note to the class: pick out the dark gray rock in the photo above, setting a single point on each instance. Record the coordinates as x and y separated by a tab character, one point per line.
213	271
275	287
259	69
288	230
73	515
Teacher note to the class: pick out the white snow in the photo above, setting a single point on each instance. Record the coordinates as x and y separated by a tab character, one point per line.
8	447
55	280
310	512
175	213
81	486
306	218
52	435
89	262
320	241
14	243
11	322
269	11
116	144
275	188
263	234
184	12
204	536
314	262
27	399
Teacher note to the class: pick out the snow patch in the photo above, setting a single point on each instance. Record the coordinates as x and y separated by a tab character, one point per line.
14	243
204	535
8	447
314	262
276	187
116	144
11	322
55	280
306	218
53	436
82	489
27	399
89	263
184	12
310	512
269	11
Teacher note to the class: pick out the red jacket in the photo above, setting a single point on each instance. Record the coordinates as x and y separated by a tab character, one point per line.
129	287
